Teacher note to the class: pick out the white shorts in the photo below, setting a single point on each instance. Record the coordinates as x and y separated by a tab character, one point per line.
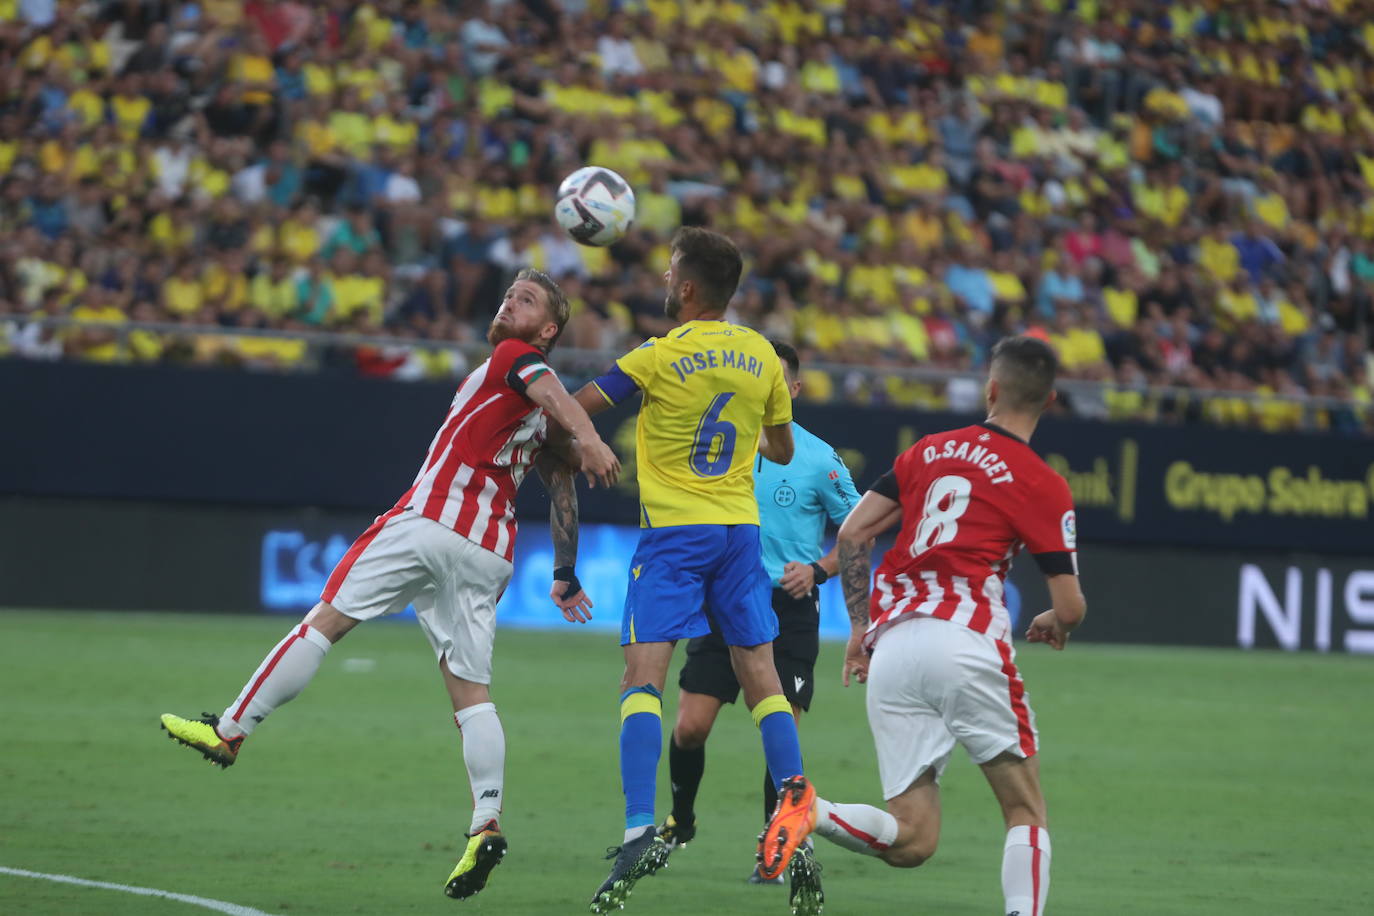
932	684
405	558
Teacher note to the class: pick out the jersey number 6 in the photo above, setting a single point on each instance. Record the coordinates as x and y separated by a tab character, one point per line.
711	428
946	500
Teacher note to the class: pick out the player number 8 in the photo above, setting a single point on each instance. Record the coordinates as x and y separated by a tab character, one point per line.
946	500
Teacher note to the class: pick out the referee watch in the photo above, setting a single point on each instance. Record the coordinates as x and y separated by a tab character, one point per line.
821	574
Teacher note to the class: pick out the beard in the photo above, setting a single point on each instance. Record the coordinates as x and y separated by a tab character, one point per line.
499	331
672	304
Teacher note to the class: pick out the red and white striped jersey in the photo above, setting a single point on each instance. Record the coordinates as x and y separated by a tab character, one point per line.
971	499
482	451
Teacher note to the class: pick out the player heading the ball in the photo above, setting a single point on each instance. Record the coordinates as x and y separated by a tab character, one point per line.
446	547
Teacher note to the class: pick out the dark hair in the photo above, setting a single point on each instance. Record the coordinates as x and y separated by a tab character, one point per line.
787	354
712	262
1024	368
555	300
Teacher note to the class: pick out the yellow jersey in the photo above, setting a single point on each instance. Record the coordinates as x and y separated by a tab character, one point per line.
709	387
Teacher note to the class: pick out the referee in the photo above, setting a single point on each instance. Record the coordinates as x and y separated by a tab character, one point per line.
794	501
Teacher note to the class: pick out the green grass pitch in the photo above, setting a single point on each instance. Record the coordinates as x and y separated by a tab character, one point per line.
1179	781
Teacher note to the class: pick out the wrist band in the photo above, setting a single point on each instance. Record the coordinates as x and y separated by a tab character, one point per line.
821	574
566	574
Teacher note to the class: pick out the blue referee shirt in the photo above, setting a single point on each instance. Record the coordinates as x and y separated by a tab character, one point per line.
796	498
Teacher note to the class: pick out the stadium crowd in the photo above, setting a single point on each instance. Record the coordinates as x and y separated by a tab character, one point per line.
1172	194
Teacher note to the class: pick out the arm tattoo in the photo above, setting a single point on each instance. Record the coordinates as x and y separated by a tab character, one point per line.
561	483
854	576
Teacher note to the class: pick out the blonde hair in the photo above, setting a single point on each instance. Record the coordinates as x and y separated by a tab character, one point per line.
555	300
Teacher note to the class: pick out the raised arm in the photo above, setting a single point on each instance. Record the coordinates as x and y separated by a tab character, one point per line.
598	461
559	480
591	399
874	514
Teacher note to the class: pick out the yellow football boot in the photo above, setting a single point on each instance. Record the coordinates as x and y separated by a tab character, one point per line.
485	850
202	735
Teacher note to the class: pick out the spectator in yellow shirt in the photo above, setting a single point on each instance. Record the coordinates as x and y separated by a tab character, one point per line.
182	293
738	66
1161	198
1270	206
1081	350
224	283
252	68
1217	255
985	41
394	127
819	74
359	293
657	210
1236	303
97	344
351	127
172	231
298	238
1007	287
1323	117
273	290
129	108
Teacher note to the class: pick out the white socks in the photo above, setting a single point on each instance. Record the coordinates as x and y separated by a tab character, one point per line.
484	754
1026	870
858	828
282	675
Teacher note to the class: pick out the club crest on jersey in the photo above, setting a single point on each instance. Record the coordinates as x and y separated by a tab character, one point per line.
784	496
1070	528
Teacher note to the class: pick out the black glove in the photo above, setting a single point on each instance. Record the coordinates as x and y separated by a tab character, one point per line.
566	574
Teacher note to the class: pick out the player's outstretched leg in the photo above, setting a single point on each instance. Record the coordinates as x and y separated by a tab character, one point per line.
283	674
643	855
863	829
804	874
203	735
485	850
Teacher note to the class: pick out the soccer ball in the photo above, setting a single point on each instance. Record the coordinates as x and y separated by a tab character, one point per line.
595	206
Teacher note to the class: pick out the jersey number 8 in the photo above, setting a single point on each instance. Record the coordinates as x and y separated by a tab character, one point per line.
946	500
711	428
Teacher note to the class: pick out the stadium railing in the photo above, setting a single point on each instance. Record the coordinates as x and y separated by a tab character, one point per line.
914	386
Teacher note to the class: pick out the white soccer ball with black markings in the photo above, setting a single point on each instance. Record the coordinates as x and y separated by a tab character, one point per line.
595	206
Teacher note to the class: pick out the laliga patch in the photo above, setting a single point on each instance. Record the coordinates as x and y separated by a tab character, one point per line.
1070	528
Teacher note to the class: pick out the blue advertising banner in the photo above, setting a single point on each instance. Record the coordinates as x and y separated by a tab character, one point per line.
141	556
295	566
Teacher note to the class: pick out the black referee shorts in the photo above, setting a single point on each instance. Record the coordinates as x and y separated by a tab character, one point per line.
708	670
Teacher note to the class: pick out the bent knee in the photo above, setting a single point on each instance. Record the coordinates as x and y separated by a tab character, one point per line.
691	734
909	855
